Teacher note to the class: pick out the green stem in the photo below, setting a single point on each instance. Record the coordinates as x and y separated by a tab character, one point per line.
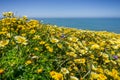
89	70
63	63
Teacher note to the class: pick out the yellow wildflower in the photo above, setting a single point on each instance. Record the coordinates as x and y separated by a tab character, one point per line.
42	42
94	75
82	51
107	61
36	37
8	14
56	76
8	35
3	43
1	71
59	45
72	54
112	52
36	48
20	39
3	32
79	43
105	56
70	69
28	62
95	46
32	31
52	73
118	60
72	74
4	29
73	39
39	70
25	18
64	71
49	49
102	43
106	71
24	34
114	72
21	27
47	44
100	70
75	68
82	60
101	77
92	56
118	54
54	40
72	49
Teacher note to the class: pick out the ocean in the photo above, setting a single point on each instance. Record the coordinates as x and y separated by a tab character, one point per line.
96	24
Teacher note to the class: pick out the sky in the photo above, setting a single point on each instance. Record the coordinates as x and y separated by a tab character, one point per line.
62	8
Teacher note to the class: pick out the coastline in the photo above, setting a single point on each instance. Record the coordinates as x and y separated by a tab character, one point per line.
98	24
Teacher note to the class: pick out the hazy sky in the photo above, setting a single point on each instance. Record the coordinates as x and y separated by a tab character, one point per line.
62	8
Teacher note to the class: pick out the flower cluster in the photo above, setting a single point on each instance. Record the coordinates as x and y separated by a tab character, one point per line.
56	76
31	50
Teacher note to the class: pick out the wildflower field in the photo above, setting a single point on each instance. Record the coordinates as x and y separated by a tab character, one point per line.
31	50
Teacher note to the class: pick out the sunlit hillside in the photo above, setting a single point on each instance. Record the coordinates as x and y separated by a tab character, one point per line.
31	50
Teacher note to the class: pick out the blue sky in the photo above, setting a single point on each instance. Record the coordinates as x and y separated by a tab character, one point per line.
62	8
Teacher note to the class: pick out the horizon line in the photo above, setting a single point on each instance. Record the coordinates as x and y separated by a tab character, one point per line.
63	17
73	17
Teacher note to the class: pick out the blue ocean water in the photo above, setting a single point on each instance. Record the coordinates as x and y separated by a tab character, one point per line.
98	24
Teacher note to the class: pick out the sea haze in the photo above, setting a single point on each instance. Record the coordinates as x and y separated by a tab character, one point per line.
98	24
